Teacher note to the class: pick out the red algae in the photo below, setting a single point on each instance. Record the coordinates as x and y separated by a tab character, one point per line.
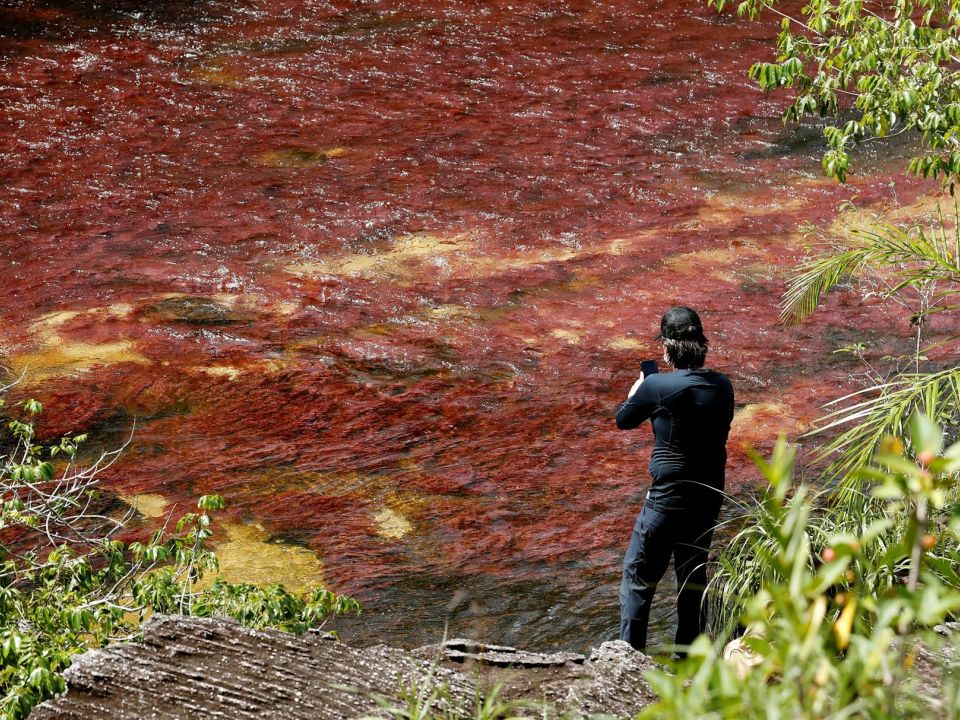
379	274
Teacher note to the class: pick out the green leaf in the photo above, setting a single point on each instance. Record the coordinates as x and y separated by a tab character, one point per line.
925	435
211	503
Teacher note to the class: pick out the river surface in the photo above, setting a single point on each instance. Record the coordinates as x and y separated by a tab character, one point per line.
379	272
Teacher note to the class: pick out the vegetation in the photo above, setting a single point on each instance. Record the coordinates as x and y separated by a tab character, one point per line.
68	582
429	698
919	270
823	641
890	67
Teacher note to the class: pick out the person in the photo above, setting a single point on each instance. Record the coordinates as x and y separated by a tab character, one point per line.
691	410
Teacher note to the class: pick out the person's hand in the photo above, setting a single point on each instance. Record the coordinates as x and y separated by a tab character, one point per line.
636	386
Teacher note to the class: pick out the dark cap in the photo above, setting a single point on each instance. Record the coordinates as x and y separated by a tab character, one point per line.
681	323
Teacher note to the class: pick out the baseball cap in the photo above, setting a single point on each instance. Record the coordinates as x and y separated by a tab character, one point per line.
681	323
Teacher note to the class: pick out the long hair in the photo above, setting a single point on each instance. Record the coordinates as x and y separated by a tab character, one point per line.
686	354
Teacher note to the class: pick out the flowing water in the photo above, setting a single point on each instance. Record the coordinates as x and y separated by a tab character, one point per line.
379	272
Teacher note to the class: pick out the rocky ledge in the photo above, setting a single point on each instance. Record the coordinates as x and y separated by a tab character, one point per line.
215	668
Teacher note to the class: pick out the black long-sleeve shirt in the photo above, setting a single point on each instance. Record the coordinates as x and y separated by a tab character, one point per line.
691	412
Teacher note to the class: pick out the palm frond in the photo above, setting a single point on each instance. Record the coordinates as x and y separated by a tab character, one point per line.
910	256
817	277
873	413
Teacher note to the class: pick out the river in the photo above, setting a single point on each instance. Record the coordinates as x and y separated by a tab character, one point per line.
378	272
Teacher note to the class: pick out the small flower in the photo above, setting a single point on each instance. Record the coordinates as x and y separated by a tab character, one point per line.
926	457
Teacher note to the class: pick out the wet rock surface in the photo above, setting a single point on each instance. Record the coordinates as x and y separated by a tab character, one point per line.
191	310
212	667
460	650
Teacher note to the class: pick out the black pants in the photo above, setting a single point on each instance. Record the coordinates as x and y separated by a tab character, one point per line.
657	536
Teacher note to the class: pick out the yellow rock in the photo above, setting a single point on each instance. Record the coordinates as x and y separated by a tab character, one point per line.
117	310
392	525
763	420
234	372
626	343
217	76
407	254
460	314
300	158
424	257
286	307
332	483
247	556
484	265
726	208
60	357
228	371
453	312
583	282
375	330
45	323
148	505
46	326
638	241
572	337
851	219
55	356
717	263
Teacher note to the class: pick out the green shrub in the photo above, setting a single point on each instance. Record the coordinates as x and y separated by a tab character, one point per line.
68	584
916	271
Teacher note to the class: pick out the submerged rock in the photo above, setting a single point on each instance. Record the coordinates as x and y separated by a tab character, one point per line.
213	667
196	310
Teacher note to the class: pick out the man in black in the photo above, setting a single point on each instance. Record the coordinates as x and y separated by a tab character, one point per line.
691	410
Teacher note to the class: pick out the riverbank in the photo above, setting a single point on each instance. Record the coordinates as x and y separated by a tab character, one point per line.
211	667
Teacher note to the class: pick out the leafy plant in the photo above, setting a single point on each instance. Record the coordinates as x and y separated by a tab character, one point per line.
919	270
892	66
742	565
865	416
68	583
422	698
823	641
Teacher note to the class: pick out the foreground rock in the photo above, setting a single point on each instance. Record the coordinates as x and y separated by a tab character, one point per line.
207	667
